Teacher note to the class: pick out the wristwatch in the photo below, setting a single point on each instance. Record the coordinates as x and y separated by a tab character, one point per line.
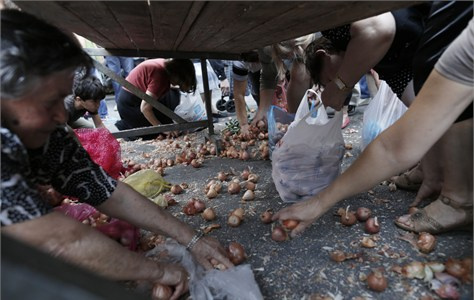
340	84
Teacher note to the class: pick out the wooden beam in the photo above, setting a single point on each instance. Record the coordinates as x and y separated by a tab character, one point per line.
161	54
158	129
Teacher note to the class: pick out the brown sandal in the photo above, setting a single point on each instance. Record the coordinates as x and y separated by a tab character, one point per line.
421	222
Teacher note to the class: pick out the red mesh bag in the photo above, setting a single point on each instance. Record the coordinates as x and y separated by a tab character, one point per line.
103	148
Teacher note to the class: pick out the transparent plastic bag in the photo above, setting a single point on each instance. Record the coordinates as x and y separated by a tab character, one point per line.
277	119
308	158
383	110
236	283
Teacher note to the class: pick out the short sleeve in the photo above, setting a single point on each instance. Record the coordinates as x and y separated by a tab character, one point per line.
457	61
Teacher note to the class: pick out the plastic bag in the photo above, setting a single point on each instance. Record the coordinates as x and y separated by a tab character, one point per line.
236	283
147	182
383	110
277	119
103	148
308	158
191	107
121	231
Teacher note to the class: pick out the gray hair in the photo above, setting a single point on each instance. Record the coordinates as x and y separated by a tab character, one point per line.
32	49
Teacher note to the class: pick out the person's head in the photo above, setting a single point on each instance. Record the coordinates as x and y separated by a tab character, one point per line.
37	64
88	92
322	61
290	49
182	73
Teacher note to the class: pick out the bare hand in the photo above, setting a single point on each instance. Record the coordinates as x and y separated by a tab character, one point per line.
225	87
259	116
174	276
333	97
245	130
305	212
208	248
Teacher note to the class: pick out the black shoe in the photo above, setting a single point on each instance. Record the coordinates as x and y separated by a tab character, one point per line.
351	110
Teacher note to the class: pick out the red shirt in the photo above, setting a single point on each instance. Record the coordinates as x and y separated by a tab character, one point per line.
151	76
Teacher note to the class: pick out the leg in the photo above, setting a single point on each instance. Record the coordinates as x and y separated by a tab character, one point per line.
453	209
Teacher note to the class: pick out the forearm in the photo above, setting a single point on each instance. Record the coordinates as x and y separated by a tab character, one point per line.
407	140
300	81
97	121
147	111
266	96
370	40
66	238
127	204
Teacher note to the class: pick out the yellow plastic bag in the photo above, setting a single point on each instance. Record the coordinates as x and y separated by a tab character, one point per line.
147	182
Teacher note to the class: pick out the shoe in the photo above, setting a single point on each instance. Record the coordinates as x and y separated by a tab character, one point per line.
351	110
330	111
422	222
345	122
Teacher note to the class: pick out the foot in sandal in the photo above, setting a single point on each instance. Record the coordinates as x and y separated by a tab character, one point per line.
410	180
440	216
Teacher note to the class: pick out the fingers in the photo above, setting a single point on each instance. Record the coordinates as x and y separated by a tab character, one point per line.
299	229
223	260
205	263
180	289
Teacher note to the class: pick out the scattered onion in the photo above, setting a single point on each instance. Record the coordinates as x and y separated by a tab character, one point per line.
209	214
239	212
377	282
236	253
233	188
176	189
363	213
372	226
279	234
426	242
266	217
290	224
234	220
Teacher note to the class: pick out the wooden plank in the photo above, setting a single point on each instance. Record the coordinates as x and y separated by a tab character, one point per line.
98	15
160	53
230	19
191	17
308	17
167	18
70	21
159	128
135	19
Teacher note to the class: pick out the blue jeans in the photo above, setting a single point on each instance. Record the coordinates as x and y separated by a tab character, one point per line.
121	66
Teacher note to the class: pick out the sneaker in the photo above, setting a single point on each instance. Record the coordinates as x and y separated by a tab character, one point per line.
351	110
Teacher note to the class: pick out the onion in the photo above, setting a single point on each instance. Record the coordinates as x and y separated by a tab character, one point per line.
363	213
161	292
372	226
236	253
169	162
455	268
244	155
189	209
199	205
239	212
377	282
290	224
234	220
279	234
367	242
195	163
211	193
217	187
266	217
253	178
208	214
414	269
233	188
426	242
176	189
245	174
337	255
248	195
250	185
222	176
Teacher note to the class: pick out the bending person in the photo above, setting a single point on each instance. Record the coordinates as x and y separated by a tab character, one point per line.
445	95
37	67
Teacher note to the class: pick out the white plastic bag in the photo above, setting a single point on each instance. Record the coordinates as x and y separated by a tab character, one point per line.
308	158
383	110
191	108
235	283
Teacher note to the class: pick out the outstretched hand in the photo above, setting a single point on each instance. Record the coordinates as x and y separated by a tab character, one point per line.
207	249
333	97
305	212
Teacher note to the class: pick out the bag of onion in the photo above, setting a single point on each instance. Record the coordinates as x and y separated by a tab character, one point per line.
308	158
278	121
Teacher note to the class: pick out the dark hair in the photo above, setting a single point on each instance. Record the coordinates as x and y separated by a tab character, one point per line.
89	87
183	70
32	49
313	61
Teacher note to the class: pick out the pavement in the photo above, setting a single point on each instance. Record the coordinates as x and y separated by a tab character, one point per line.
301	268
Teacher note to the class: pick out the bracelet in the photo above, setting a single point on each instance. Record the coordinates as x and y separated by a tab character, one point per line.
194	240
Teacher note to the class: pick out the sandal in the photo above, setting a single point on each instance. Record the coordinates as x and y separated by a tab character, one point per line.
404	182
422	222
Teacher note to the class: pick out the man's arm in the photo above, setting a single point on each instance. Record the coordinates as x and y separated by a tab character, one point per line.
147	110
97	121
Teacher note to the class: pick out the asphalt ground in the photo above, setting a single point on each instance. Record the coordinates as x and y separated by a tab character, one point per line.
301	268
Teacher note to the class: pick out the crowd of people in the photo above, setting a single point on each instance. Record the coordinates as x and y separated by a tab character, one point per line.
424	52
